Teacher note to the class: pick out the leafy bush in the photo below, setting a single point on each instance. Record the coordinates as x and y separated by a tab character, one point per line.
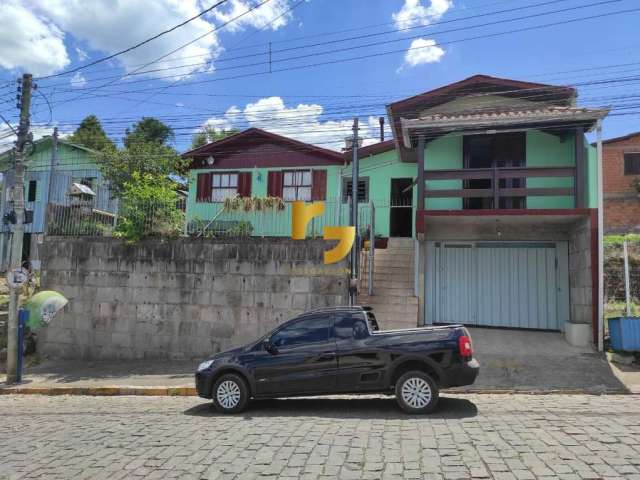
148	208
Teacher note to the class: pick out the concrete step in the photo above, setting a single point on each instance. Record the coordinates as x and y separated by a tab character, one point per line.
400	242
397	309
392	270
389	300
395	252
388	292
392	277
394	321
393	262
383	283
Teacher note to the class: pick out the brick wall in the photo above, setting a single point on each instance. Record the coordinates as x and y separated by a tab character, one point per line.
180	299
621	200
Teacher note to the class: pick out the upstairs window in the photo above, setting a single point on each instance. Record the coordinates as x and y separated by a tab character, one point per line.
632	163
296	185
363	189
32	191
223	186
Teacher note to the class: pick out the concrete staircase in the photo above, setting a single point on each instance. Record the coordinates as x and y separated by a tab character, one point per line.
393	299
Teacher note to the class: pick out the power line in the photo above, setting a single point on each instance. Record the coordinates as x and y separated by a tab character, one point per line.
385	42
389	52
138	45
329	42
183	46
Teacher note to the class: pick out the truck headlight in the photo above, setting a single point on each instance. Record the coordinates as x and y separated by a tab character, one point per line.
204	365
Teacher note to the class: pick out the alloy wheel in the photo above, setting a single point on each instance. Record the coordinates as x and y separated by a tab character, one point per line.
416	392
228	394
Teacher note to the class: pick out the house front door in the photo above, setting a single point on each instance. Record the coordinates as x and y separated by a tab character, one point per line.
401	203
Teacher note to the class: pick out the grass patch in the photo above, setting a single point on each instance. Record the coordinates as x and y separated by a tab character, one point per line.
619	239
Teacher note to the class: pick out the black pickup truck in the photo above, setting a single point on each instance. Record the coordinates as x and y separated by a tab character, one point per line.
341	350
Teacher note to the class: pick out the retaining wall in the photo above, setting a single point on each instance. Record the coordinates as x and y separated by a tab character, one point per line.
183	298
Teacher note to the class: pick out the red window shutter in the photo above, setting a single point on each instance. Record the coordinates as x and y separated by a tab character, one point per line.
244	184
319	185
203	190
274	184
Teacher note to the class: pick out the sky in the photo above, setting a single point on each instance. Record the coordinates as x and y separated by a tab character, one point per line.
303	68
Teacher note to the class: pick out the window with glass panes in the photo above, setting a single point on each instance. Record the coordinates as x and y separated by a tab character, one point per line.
296	185
223	186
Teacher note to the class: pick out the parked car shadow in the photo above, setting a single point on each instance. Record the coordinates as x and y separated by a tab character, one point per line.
341	408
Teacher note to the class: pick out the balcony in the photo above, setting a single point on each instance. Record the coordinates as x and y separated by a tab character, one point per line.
503	183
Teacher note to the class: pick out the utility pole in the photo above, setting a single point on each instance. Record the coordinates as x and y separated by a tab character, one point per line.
354	211
18	228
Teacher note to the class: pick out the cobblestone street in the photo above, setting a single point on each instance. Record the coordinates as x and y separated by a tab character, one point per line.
472	436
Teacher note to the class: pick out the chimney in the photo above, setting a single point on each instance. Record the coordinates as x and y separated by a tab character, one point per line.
381	120
348	143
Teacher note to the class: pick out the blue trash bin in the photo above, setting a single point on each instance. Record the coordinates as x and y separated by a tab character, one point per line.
624	333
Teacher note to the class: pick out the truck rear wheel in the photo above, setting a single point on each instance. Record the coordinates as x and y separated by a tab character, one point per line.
416	392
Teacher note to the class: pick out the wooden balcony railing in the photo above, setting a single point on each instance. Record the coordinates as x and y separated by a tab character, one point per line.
495	191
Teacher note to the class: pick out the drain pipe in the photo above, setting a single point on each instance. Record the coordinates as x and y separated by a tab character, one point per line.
600	305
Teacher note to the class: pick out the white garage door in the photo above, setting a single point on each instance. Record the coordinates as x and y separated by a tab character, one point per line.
499	284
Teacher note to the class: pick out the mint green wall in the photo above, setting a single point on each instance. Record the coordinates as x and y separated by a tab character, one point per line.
546	150
442	154
542	150
274	223
380	169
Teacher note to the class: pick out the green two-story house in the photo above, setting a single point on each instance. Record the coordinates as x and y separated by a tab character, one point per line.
487	192
497	186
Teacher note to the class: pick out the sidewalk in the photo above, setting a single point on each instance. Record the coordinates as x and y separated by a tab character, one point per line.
511	361
132	377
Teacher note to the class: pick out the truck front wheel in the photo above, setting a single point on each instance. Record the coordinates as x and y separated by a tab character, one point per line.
416	392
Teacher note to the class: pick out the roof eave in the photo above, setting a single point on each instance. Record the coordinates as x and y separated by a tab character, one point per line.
444	126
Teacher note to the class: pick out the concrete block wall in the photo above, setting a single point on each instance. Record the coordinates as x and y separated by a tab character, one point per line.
183	298
580	279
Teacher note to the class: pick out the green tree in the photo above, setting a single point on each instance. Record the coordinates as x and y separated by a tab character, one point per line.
148	208
208	134
90	134
148	130
120	167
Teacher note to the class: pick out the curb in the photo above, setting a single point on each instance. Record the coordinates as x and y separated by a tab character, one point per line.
102	391
191	391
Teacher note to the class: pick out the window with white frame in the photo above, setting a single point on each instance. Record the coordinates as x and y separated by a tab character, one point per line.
224	185
296	185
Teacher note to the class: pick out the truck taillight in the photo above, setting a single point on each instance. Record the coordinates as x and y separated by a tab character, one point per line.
464	346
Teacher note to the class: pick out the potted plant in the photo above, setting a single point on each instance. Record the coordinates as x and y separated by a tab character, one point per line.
636	185
380	241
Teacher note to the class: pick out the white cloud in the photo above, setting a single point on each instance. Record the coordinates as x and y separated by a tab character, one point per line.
38	132
302	122
273	14
414	13
36	29
421	51
78	80
82	55
110	26
29	42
